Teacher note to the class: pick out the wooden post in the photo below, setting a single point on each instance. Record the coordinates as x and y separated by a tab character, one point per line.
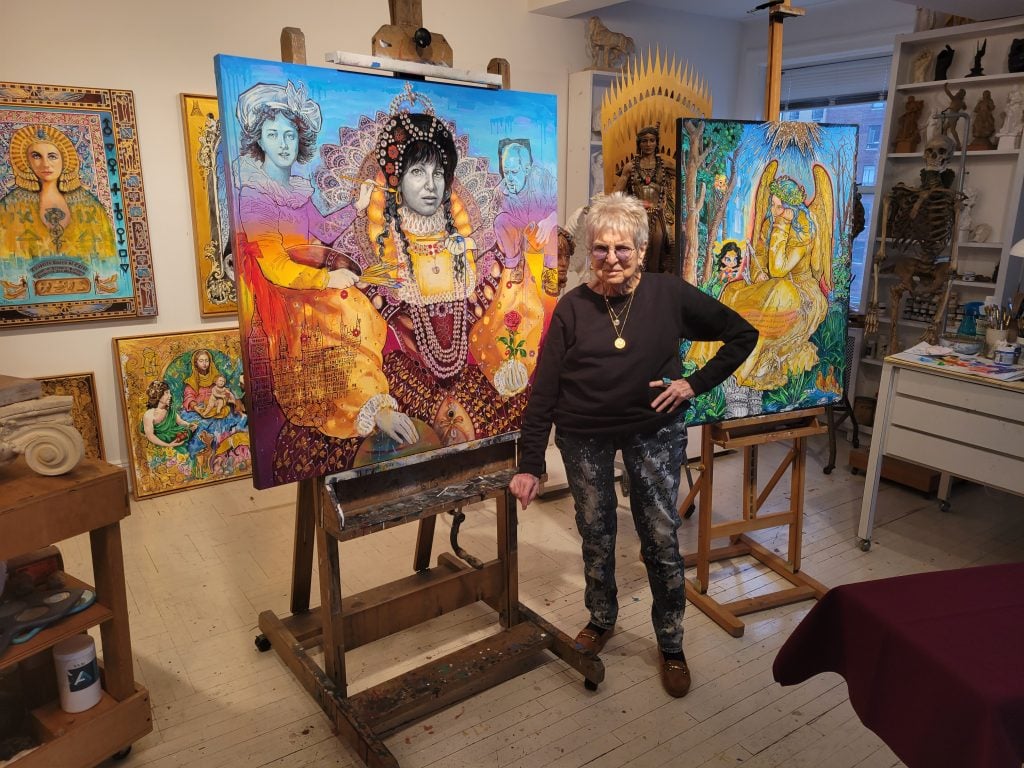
777	14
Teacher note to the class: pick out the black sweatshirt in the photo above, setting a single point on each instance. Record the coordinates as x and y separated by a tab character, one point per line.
585	386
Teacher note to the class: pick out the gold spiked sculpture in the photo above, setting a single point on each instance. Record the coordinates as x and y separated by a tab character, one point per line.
650	91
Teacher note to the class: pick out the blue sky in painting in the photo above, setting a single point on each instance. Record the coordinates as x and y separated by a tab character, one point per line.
485	115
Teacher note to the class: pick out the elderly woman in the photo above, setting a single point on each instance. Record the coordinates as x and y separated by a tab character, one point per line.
608	379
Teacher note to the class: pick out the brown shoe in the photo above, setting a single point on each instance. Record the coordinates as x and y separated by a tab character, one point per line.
591	641
675	676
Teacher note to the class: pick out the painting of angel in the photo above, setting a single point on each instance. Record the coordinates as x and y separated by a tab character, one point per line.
766	211
396	247
183	401
211	228
74	238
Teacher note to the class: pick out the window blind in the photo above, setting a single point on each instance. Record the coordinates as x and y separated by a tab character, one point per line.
837	82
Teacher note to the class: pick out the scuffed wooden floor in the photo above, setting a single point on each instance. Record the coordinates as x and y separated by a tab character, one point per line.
201	565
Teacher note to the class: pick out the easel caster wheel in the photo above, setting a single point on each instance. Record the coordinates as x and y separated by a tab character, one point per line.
828	470
865	545
262	643
122	754
853	470
590	685
944	506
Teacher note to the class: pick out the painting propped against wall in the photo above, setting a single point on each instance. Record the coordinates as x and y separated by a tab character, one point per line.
182	398
74	239
766	213
396	249
211	228
85	417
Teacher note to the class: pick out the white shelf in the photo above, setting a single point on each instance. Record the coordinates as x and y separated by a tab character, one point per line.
972	154
1003	77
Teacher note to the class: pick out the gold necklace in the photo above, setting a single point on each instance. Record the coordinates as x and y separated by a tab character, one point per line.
619	319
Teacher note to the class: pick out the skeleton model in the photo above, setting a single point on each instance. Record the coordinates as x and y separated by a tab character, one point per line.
920	222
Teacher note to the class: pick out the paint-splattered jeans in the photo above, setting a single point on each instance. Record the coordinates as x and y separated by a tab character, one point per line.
653	462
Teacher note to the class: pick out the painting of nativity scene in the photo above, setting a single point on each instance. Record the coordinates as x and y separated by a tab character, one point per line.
396	253
766	211
182	396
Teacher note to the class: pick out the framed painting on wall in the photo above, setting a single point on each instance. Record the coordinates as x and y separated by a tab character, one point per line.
765	214
74	237
396	251
182	402
215	266
85	417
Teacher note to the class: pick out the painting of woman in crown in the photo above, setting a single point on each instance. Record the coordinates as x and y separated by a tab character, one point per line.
380	317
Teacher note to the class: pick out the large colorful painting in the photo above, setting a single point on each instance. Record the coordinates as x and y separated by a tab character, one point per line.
765	212
85	417
215	264
74	240
182	399
397	253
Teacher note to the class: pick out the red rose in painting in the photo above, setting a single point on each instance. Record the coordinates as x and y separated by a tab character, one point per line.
512	320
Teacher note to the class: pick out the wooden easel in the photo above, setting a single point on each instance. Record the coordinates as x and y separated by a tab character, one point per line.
749	434
347	506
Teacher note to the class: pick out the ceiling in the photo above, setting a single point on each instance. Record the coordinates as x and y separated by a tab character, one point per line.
739	10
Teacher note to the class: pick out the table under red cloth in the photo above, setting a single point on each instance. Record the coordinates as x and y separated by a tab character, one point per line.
934	662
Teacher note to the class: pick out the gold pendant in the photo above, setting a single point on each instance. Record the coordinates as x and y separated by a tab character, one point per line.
620	343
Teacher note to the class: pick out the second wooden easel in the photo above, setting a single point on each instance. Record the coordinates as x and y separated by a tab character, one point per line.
749	434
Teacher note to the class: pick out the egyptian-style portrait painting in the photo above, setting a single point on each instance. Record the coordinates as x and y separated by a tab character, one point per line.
396	248
182	397
85	417
765	212
74	239
211	228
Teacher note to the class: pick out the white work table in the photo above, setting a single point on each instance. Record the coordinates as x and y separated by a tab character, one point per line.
962	425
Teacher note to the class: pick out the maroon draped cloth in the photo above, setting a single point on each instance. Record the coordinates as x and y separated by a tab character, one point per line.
934	662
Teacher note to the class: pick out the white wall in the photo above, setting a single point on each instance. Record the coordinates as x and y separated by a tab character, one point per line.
828	32
708	44
160	50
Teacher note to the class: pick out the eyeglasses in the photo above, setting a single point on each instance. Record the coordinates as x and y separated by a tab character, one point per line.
622	252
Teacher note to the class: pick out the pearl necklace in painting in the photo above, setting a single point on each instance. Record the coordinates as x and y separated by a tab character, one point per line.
619	319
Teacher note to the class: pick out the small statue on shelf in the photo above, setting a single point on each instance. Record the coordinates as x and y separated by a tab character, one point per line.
942	62
1015	57
1013	121
908	134
921	66
984	123
977	70
607	49
957	103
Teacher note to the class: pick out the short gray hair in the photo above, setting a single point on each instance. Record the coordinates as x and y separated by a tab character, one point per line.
618	211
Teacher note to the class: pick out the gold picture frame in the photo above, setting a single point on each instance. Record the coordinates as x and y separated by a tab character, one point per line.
182	403
85	416
88	256
207	196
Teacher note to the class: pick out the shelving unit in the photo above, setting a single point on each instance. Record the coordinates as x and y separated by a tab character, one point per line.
36	511
586	89
997	174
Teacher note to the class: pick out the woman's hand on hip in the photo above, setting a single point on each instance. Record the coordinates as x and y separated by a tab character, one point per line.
525	487
674	392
